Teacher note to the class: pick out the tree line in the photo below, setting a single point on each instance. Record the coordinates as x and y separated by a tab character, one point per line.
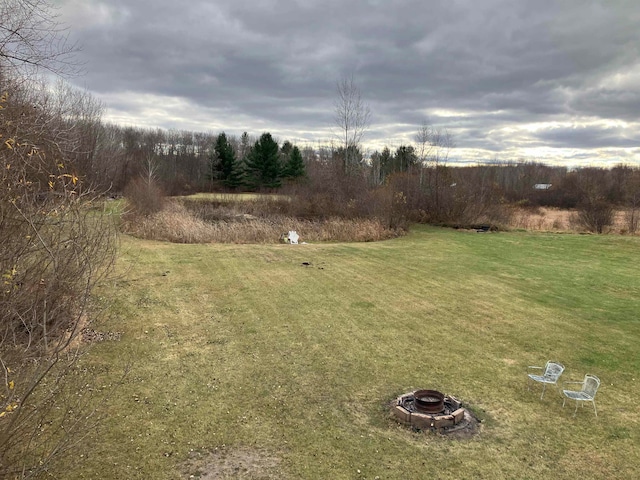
435	189
184	161
107	157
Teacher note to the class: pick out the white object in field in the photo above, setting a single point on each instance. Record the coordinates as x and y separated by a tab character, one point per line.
552	372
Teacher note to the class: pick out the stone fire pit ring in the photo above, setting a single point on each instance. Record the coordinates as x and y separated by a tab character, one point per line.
409	409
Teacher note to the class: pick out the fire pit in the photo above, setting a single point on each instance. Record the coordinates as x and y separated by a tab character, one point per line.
432	410
428	401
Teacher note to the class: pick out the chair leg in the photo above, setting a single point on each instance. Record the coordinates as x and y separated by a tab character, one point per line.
594	407
576	410
544	385
564	400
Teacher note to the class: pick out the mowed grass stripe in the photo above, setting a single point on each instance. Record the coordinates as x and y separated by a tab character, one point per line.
245	347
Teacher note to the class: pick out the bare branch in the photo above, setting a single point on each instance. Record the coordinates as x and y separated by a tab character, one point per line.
352	117
54	248
33	38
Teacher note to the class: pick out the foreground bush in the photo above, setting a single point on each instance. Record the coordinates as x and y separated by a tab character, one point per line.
54	248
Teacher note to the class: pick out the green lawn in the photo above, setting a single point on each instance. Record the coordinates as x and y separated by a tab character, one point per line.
245	359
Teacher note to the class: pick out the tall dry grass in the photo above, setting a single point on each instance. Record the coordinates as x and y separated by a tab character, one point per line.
177	224
562	220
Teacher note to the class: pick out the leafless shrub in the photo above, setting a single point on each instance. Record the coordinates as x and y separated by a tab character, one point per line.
632	219
595	215
388	205
54	249
329	192
144	197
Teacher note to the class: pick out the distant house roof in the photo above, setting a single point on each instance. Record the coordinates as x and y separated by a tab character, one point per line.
542	186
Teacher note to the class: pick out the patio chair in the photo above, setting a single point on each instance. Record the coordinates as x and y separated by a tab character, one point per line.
587	392
293	237
552	371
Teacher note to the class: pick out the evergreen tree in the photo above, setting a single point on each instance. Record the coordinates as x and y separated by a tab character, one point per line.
351	158
405	158
386	160
263	164
403	161
235	179
225	156
212	171
294	168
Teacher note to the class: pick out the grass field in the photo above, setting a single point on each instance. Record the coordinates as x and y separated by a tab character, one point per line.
233	197
244	363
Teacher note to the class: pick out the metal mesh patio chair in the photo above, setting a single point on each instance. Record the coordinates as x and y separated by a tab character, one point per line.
552	371
587	392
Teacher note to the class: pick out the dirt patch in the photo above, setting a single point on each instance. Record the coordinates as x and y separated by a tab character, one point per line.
466	430
232	463
89	335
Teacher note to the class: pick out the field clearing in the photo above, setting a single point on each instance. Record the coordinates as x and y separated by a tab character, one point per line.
560	220
234	197
246	363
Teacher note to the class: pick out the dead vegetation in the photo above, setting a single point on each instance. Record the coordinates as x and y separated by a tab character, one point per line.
263	220
55	247
548	219
177	224
232	463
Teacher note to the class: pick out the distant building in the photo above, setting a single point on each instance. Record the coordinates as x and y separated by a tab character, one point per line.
542	186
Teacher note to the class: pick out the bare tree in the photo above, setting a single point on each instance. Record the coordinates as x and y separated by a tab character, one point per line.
424	143
423	139
33	38
633	205
594	210
433	146
352	117
151	169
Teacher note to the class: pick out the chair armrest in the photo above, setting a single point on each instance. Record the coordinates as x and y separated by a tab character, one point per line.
575	383
538	368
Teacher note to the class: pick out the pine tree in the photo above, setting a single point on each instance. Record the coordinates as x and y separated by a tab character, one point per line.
404	159
294	168
225	155
386	163
236	176
263	164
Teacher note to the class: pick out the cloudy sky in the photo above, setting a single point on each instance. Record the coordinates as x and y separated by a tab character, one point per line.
545	80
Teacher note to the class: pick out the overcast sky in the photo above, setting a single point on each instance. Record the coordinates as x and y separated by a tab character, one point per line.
545	80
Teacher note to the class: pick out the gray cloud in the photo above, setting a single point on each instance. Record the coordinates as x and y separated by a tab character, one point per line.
589	137
487	70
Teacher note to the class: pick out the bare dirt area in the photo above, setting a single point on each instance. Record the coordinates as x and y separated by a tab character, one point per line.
223	463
